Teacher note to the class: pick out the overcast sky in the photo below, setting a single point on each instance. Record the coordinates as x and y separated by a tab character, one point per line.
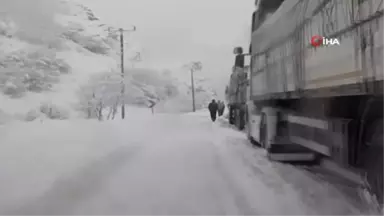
174	32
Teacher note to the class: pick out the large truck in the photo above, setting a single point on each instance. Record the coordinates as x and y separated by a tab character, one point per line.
237	91
323	103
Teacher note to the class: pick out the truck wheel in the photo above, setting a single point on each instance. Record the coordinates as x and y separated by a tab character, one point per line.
373	162
249	136
237	119
231	116
241	119
249	133
263	130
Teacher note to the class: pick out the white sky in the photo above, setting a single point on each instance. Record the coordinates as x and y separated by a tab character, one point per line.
174	32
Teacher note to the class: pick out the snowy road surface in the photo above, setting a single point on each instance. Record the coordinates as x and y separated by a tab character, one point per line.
162	164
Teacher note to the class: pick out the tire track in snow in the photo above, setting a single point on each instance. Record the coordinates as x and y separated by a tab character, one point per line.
67	193
240	199
318	197
294	177
232	180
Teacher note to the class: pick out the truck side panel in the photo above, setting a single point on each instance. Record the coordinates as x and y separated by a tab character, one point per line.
272	75
378	51
332	65
258	82
294	64
258	78
373	54
367	8
276	82
289	65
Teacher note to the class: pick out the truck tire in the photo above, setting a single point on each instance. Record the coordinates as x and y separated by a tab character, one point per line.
241	119
231	116
263	130
373	162
249	136
237	119
249	129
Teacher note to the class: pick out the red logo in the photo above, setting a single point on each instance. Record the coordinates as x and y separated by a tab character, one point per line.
316	40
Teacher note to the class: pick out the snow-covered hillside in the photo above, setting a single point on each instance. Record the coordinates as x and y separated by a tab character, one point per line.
55	55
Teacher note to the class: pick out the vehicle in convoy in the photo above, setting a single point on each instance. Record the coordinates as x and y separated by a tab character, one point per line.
322	103
237	91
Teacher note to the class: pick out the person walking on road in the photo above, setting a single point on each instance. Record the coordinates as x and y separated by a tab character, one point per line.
213	107
152	106
221	107
222	111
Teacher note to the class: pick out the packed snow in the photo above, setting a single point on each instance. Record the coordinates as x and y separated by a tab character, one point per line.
151	164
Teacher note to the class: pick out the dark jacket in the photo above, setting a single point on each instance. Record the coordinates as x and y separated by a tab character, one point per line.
213	106
221	106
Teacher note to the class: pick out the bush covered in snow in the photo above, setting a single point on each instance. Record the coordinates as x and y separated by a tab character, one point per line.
52	111
48	111
32	115
34	71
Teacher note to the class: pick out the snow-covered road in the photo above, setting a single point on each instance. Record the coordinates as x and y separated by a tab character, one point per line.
152	165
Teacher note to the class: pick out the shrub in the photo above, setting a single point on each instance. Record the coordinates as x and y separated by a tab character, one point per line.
14	89
32	115
53	112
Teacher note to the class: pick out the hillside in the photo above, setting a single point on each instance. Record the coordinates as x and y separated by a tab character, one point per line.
53	61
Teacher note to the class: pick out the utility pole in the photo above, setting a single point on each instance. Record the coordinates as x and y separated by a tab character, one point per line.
122	74
122	70
193	91
193	66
